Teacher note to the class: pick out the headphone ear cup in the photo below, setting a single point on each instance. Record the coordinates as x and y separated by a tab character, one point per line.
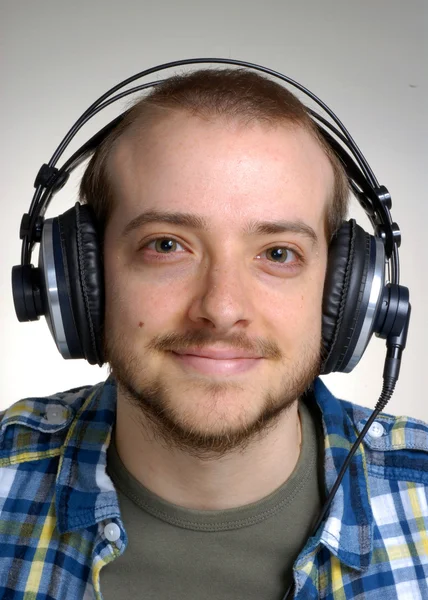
354	263
75	308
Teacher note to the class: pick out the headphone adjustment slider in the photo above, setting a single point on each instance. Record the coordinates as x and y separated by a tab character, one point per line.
384	196
396	234
46	176
25	228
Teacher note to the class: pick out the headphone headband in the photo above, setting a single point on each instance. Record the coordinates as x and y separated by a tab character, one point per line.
375	199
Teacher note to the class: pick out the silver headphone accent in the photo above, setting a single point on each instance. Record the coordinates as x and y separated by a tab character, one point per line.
374	288
50	289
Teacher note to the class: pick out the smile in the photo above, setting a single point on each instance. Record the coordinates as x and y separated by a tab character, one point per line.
219	365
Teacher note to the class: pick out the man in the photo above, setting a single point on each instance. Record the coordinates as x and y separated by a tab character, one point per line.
199	468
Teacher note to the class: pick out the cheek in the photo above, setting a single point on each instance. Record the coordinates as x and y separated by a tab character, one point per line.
143	307
297	318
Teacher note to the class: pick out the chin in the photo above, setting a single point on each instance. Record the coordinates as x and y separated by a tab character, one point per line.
208	414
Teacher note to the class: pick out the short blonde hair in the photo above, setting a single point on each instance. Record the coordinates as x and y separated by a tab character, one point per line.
210	93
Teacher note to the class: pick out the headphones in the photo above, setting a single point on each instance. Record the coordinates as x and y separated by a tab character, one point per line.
362	295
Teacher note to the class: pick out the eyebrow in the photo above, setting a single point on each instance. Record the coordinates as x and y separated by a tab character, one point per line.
282	226
198	222
157	216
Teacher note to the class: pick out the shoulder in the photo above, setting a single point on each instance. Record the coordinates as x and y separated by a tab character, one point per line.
395	446
37	426
395	452
385	490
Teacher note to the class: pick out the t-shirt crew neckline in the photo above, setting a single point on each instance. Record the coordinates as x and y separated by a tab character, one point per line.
229	519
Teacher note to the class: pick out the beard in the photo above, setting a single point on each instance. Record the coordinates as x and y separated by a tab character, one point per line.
189	431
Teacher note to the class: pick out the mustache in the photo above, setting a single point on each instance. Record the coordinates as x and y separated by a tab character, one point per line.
175	342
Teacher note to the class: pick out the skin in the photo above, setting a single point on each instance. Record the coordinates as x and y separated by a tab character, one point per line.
203	319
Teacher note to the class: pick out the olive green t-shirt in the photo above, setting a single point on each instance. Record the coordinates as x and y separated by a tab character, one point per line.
175	553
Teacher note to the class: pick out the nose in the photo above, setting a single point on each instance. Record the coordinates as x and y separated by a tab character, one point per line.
223	297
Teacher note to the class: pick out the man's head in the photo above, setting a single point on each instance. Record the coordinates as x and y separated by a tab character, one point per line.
217	198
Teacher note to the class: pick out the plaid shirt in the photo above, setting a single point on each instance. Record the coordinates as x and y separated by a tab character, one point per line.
56	502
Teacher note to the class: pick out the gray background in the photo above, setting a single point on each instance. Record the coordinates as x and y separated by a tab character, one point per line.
366	59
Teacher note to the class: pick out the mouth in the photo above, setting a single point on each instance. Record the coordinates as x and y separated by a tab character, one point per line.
216	361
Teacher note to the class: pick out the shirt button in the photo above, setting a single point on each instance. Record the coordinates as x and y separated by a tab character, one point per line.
55	415
112	532
376	430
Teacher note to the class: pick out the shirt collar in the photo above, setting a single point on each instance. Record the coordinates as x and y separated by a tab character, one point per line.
85	493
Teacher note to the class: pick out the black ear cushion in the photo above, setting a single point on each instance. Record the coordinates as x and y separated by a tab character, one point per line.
344	286
84	277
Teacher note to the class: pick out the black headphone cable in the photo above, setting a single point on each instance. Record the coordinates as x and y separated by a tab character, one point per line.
395	346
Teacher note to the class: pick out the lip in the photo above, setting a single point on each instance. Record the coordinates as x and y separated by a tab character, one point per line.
217	353
216	362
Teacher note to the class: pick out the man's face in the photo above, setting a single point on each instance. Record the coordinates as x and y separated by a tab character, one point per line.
215	256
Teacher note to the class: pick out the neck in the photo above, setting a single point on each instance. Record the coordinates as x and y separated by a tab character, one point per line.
238	478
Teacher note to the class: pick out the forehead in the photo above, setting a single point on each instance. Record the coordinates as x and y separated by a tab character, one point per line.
220	169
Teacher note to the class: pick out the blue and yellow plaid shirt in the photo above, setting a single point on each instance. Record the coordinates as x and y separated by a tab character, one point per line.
56	502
